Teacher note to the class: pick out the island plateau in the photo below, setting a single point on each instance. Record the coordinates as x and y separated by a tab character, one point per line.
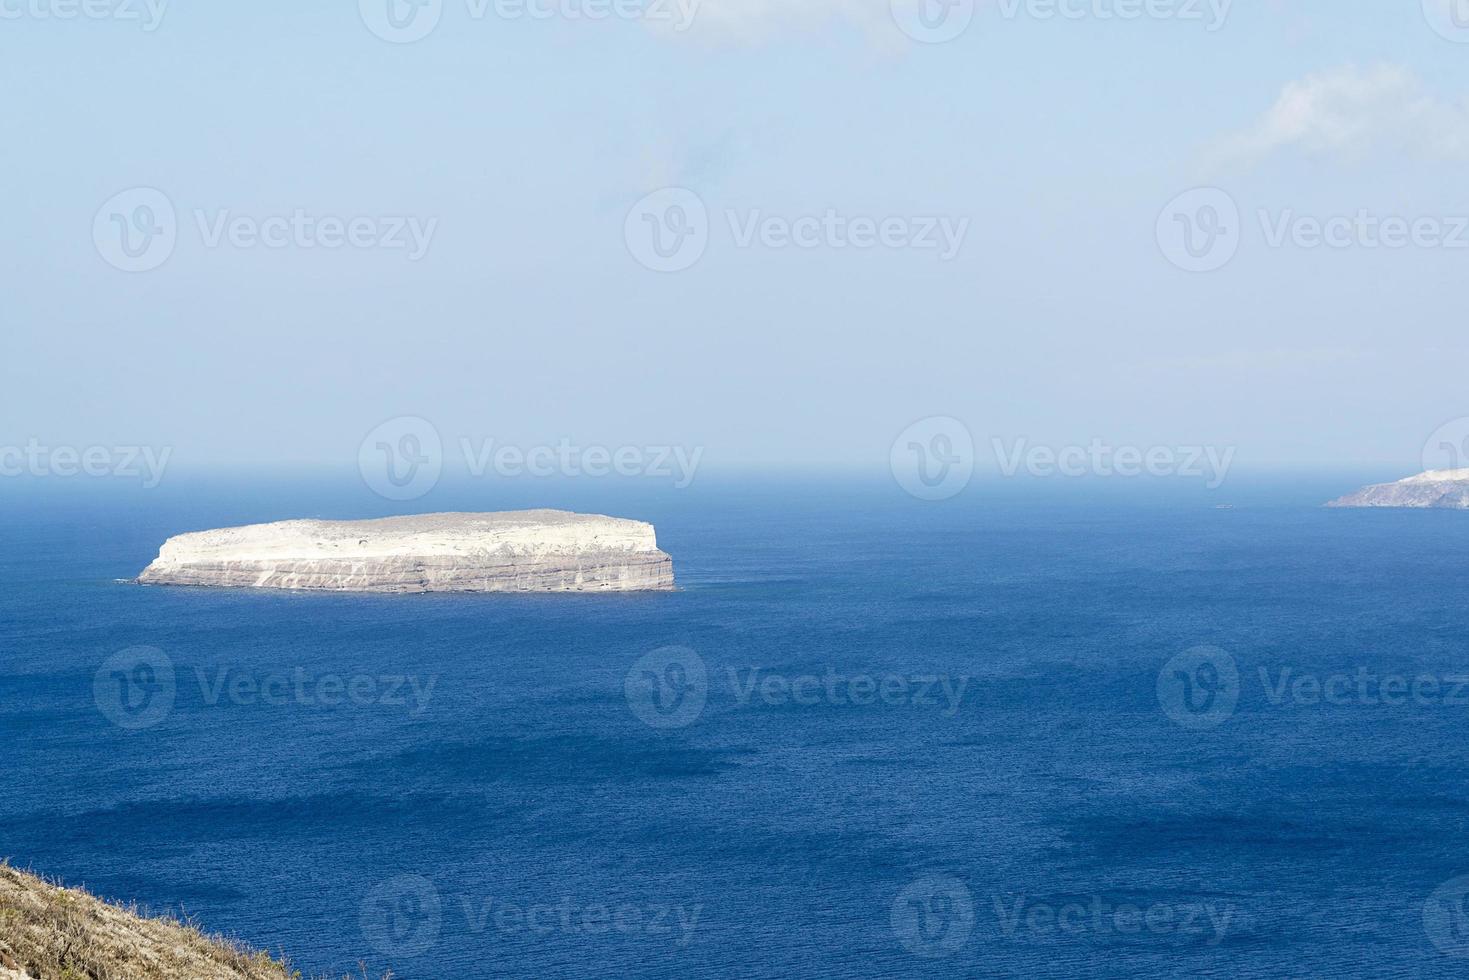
512	551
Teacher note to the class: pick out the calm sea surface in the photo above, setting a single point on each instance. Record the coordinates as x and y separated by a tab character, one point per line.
891	739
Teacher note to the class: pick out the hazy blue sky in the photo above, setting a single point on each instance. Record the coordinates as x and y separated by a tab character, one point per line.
522	144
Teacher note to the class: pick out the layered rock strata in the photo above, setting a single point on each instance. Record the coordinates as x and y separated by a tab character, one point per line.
1446	489
514	551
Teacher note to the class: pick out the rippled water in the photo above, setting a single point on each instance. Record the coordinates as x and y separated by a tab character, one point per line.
891	738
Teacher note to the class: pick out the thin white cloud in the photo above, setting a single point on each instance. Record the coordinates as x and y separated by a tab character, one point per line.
1351	112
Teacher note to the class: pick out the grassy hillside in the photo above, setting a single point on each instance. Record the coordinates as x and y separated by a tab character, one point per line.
57	933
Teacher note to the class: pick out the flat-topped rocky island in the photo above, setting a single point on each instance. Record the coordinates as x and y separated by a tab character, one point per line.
511	551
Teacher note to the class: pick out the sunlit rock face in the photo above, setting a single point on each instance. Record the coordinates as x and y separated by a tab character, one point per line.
1448	489
514	551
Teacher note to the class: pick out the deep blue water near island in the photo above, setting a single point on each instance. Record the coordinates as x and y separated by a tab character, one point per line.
514	815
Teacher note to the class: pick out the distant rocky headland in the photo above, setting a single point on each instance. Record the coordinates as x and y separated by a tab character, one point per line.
513	551
1445	489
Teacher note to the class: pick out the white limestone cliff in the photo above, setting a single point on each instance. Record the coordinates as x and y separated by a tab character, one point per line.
512	551
1443	489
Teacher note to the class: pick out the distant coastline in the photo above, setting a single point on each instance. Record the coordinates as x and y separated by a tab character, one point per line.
1434	489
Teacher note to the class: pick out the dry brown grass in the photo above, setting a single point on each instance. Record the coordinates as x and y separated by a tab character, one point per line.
56	933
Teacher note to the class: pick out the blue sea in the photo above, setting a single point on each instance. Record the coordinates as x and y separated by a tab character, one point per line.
1048	729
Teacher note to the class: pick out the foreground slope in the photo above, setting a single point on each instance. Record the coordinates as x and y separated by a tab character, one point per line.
47	931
